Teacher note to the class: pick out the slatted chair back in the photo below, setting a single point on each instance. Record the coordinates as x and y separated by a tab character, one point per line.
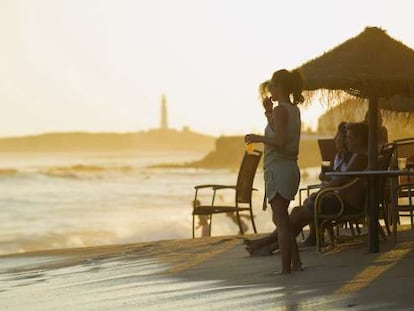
404	148
327	149
246	176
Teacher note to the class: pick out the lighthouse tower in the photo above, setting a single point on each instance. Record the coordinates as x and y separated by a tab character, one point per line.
163	121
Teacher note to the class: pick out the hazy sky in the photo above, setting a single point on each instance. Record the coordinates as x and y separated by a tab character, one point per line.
102	65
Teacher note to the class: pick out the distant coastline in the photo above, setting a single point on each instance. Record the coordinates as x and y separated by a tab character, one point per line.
154	140
221	152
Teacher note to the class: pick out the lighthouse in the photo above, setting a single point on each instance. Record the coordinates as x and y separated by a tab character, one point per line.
163	121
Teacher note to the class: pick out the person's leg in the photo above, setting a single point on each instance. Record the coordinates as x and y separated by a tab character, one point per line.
307	213
265	246
299	218
265	250
281	220
263	241
311	238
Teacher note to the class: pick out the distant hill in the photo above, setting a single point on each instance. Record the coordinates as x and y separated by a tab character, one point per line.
229	150
156	139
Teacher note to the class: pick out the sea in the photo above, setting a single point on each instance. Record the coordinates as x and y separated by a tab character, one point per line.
78	199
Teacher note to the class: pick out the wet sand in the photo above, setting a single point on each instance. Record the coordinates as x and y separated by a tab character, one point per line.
209	274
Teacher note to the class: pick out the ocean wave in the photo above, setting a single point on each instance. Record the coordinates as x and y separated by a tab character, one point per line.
54	240
80	170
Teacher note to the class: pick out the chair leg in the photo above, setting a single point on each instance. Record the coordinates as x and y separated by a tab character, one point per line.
357	227
193	226
318	235
209	224
382	232
385	211
330	229
351	227
252	218
239	222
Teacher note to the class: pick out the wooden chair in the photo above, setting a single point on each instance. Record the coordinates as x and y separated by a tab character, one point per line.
322	220
243	194
385	161
404	148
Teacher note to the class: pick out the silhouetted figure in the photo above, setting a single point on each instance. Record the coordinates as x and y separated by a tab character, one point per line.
202	221
233	217
204	225
342	156
281	147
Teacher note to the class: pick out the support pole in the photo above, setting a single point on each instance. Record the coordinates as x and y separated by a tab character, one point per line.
372	197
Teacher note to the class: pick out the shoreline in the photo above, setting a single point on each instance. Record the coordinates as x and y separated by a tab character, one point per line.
210	273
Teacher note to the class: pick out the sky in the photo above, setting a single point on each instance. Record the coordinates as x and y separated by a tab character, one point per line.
103	65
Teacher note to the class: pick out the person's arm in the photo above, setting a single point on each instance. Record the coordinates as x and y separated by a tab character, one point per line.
358	162
279	117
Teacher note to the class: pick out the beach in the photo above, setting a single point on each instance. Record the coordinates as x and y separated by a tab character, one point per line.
209	274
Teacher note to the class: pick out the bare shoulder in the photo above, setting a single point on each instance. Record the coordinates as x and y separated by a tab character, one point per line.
280	113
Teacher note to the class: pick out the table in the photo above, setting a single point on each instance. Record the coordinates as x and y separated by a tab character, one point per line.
372	211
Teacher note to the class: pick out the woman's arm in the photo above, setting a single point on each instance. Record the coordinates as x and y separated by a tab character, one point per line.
358	162
279	120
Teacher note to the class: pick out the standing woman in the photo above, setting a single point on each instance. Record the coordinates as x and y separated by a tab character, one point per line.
281	147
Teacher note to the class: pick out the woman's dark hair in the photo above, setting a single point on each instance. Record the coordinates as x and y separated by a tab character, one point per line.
342	128
291	82
346	154
359	129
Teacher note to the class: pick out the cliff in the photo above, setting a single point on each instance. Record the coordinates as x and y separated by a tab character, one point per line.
229	151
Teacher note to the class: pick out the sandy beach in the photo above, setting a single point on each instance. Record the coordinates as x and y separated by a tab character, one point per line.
209	274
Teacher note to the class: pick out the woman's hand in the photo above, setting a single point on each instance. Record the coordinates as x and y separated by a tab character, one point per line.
267	104
253	138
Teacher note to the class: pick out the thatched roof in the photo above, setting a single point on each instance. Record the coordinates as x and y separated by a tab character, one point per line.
371	63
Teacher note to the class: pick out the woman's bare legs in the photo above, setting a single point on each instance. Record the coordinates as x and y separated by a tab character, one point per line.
299	218
281	220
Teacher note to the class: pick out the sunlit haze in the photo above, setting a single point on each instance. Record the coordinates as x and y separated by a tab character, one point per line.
102	65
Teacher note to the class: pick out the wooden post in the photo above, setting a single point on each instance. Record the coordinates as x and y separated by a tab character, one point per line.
372	195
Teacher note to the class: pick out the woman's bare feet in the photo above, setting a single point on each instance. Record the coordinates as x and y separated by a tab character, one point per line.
266	250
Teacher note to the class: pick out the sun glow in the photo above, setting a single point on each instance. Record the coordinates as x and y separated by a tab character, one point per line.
101	65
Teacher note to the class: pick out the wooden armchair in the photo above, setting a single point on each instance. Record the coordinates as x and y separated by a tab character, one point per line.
243	194
322	220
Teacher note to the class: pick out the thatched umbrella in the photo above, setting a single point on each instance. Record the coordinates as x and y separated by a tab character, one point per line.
371	65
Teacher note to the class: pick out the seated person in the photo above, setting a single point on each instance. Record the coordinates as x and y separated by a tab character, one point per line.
354	196
343	155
